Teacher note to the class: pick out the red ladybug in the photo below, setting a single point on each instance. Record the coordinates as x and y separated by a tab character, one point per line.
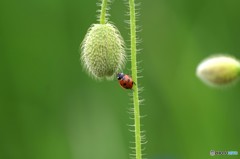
125	81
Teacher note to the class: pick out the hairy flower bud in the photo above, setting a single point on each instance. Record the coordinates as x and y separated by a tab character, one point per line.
219	70
103	52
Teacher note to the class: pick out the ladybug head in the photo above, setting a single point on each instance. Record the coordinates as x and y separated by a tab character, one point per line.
120	76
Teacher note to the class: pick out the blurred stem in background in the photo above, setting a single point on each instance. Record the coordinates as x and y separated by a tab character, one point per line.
137	124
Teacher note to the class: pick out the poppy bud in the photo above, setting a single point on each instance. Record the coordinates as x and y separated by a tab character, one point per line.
219	70
103	51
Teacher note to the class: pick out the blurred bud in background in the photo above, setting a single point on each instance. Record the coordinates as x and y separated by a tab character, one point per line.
220	70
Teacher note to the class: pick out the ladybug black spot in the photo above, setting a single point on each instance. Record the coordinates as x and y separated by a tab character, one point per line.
124	84
128	80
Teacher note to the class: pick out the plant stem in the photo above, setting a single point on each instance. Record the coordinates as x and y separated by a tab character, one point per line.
138	149
103	12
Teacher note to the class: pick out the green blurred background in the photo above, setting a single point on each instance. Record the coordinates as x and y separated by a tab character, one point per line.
51	109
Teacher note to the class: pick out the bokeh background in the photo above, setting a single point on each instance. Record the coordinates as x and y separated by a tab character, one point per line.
51	109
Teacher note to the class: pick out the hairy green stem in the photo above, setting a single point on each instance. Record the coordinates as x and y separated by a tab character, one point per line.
103	12
138	149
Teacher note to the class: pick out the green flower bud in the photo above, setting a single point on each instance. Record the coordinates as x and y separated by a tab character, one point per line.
103	51
219	70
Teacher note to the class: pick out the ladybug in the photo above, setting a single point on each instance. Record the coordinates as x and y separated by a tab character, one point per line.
125	81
